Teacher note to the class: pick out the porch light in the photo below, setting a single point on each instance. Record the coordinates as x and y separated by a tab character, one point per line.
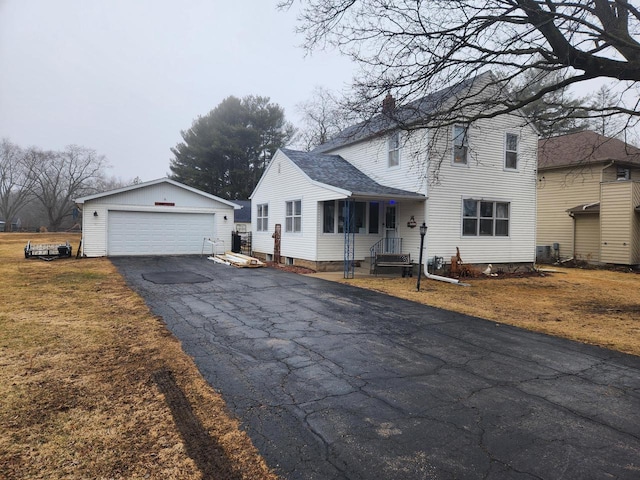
412	222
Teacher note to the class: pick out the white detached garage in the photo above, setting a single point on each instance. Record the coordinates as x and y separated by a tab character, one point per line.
160	217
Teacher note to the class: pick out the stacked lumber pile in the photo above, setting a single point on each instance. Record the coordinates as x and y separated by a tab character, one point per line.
237	260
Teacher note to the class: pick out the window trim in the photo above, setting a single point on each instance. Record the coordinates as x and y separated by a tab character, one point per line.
478	218
516	151
394	147
260	219
293	216
465	144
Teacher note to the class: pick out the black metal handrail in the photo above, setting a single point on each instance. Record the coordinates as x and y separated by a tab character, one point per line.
384	245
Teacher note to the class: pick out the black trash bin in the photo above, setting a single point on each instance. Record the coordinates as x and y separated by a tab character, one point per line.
236	242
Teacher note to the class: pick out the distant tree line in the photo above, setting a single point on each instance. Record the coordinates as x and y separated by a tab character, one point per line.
37	187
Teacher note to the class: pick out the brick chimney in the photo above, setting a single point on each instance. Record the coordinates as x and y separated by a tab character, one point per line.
388	104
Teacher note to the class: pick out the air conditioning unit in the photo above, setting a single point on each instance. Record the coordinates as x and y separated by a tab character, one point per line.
544	254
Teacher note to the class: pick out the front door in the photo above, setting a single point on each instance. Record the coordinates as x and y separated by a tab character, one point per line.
390	229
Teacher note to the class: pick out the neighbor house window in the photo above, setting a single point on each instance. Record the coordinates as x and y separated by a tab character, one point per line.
511	151
394	149
262	218
485	219
623	173
460	144
293	216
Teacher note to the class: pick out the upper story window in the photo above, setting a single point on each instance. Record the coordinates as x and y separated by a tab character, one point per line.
293	216
262	218
485	219
460	144
511	151
394	150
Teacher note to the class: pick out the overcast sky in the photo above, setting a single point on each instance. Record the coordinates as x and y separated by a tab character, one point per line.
125	76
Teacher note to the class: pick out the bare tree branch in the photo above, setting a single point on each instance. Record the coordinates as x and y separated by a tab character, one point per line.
415	47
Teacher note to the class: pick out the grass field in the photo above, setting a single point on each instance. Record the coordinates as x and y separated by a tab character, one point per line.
599	307
94	386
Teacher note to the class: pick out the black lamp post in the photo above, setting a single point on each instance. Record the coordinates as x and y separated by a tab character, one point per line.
423	232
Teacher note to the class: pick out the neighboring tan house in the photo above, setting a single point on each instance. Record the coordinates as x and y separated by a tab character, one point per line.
371	187
589	199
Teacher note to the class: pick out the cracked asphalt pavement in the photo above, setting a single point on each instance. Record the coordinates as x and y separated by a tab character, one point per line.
335	382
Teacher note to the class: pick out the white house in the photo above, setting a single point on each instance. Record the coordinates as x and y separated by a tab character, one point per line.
160	217
473	184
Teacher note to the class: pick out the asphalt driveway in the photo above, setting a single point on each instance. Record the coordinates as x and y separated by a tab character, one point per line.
335	382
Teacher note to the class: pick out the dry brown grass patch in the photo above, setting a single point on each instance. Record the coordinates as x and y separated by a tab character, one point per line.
591	306
79	392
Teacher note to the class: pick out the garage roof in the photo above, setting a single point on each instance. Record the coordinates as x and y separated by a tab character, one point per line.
82	200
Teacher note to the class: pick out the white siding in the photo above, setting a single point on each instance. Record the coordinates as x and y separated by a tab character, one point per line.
370	156
446	185
283	181
483	178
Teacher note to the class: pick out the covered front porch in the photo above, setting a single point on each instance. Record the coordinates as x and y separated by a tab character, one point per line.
356	229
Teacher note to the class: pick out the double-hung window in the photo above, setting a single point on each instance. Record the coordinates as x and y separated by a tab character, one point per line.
394	150
293	216
262	217
460	145
485	218
511	151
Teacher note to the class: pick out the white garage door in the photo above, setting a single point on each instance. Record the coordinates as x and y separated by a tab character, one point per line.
156	233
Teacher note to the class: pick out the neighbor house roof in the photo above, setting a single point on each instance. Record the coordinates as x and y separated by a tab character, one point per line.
593	207
335	171
136	186
243	215
583	148
406	115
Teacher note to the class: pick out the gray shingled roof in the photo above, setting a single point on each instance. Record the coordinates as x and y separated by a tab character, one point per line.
242	215
405	115
336	171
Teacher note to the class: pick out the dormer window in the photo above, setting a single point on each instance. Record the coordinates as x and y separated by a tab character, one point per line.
394	150
460	144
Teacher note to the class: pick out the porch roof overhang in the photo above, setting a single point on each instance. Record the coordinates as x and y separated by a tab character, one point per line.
585	208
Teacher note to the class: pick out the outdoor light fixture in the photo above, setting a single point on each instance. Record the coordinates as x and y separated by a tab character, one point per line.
423	232
95	213
412	222
225	217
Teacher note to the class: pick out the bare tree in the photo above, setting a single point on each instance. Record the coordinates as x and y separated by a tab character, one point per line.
64	176
414	47
323	116
17	178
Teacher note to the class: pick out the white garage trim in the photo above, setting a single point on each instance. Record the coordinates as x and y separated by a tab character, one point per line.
158	233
